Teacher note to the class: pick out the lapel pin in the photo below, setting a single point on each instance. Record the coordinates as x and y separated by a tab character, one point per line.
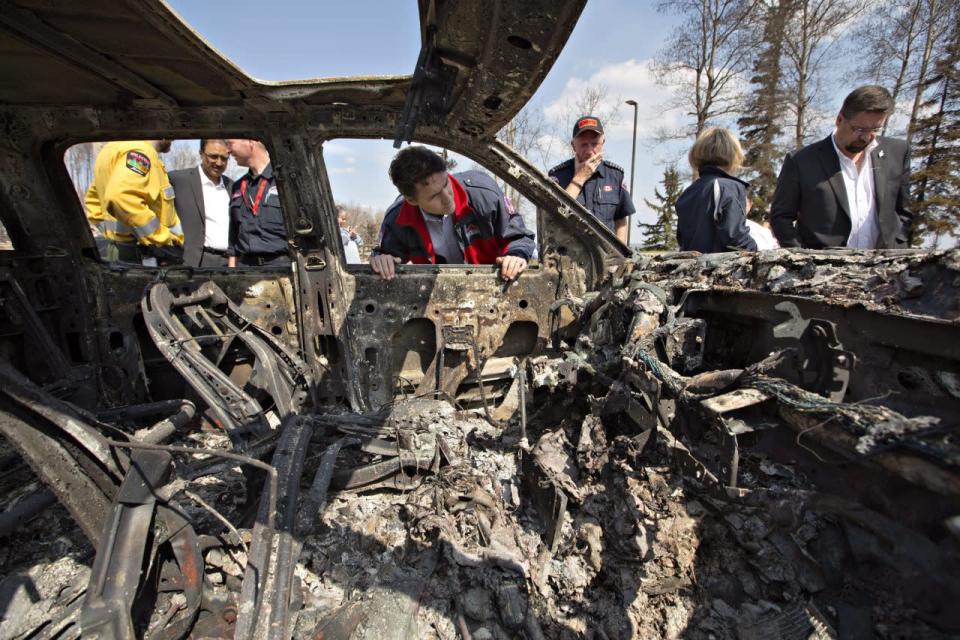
881	153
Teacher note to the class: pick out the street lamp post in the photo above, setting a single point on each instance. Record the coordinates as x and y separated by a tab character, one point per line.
633	158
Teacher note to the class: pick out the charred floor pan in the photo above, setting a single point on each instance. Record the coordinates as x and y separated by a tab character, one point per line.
721	447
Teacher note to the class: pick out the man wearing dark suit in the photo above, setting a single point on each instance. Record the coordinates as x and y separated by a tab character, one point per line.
203	204
851	189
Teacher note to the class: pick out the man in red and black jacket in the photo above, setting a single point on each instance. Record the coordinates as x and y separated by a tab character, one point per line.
442	218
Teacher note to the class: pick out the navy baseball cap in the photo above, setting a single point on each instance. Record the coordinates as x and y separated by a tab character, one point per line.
587	123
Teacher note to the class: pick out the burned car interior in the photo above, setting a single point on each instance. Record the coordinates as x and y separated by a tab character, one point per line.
615	445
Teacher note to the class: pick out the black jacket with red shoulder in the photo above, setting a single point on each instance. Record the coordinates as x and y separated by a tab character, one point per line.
486	225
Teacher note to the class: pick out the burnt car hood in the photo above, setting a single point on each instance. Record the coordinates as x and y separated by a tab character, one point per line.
479	64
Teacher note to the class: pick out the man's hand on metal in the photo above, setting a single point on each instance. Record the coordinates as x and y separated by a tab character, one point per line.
511	266
384	265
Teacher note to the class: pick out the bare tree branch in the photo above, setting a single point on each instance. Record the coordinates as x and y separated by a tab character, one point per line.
811	33
706	57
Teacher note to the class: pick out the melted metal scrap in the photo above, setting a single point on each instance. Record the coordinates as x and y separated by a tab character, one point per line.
681	483
906	280
204	335
876	427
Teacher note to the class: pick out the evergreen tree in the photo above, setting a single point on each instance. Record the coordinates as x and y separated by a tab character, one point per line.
936	182
662	234
760	124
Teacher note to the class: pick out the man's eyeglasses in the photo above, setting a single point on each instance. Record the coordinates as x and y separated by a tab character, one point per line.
213	157
864	130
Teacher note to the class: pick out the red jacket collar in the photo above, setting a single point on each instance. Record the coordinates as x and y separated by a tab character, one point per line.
410	215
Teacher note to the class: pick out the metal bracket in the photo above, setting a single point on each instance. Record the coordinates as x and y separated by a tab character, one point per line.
115	576
429	89
826	364
457	338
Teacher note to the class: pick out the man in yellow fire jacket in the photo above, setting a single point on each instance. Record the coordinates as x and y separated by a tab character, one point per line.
131	202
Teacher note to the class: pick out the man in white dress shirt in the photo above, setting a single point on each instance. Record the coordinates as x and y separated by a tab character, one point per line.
850	189
203	204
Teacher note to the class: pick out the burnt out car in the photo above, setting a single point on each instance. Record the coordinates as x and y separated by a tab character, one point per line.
736	445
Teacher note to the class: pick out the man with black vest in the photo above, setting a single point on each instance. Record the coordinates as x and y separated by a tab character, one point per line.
258	235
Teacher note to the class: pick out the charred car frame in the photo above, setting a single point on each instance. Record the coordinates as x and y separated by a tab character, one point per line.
197	424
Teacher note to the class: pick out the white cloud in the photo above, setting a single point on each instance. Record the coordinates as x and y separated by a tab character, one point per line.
630	79
342	158
336	149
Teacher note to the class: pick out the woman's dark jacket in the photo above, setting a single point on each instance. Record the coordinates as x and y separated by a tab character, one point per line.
712	214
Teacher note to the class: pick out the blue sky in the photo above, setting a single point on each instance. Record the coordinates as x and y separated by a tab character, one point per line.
611	44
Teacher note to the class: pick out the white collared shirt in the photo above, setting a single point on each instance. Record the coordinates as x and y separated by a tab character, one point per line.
861	198
444	237
216	211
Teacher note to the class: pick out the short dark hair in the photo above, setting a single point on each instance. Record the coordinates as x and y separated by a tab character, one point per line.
412	166
871	98
203	143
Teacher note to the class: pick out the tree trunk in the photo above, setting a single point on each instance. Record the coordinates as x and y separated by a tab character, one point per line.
921	196
907	52
802	71
699	91
924	64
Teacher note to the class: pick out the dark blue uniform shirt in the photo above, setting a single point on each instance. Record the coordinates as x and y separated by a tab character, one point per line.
604	194
485	226
712	214
256	219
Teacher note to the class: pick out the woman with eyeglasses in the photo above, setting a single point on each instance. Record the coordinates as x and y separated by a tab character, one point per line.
712	212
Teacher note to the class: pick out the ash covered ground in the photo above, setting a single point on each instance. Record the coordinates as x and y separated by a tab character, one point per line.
608	508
